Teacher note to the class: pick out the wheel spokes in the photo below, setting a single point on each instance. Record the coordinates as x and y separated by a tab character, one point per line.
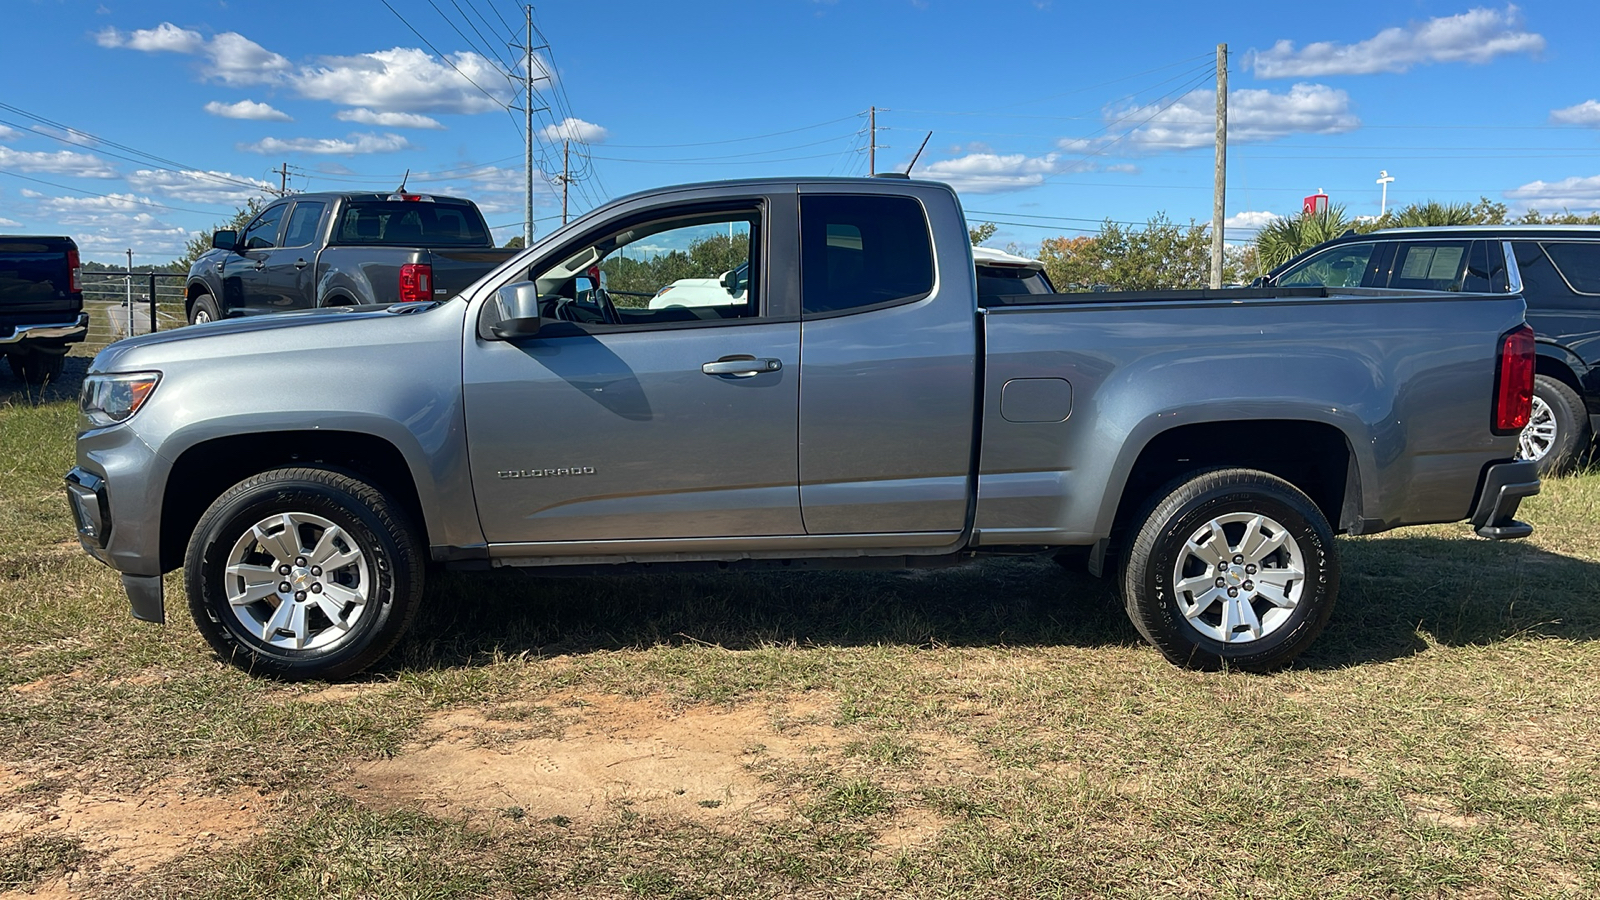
264	584
283	544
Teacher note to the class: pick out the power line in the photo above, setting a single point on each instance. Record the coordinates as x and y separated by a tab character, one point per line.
756	137
441	55
128	199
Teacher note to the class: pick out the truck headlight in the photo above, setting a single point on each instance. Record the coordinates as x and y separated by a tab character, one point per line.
109	399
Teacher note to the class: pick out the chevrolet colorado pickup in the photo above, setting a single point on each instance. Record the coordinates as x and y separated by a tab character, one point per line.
342	249
862	406
41	304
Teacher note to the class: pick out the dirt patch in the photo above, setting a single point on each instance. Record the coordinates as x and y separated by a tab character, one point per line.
136	832
1435	811
642	755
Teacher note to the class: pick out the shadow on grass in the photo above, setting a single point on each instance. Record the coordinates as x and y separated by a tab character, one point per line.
1397	596
14	391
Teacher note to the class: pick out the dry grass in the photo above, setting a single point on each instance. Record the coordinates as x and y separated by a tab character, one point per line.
991	731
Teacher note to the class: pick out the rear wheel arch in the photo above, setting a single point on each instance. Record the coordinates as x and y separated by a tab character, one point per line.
1317	458
204	471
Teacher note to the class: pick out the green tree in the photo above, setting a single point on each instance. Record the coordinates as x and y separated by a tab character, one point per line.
982	232
1161	255
513	244
1283	239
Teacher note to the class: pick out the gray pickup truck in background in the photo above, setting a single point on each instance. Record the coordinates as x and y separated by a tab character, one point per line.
855	403
342	249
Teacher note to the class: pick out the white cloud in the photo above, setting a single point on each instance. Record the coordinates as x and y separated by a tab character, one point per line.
247	109
233	58
1585	113
222	188
1575	193
406	80
348	146
993	173
164	38
9	223
9	134
61	162
1253	115
387	119
1476	36
1244	225
576	130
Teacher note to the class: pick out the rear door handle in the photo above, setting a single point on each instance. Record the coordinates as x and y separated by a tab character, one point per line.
259	265
299	264
219	267
741	366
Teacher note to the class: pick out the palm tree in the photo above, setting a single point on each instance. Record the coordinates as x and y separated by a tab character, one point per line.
1283	239
1435	213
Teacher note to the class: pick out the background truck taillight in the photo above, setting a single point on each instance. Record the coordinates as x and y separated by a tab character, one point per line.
1513	388
75	269
416	284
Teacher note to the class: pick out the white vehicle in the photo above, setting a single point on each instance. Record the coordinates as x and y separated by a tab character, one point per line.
1001	273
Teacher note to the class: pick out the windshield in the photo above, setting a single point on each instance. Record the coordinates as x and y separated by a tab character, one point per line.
412	223
1337	267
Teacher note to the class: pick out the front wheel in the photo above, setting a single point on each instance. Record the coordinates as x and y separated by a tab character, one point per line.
303	573
1231	567
203	309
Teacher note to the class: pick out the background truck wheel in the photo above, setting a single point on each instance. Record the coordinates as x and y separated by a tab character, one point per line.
204	309
303	573
1558	431
1231	567
34	367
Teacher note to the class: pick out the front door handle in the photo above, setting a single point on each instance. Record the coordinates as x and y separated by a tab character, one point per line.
741	366
259	265
299	264
219	267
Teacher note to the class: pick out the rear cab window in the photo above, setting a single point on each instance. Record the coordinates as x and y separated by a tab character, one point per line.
412	223
861	252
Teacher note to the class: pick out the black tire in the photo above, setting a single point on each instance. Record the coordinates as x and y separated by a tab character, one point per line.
204	309
1558	434
389	571
1151	576
36	368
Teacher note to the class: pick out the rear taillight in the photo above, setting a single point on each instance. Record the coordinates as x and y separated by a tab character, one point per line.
1513	389
75	268
416	282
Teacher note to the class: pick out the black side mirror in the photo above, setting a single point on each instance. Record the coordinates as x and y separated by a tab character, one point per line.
519	311
224	240
1260	281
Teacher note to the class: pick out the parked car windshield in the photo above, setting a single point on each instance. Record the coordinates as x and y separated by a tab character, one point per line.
412	223
1336	267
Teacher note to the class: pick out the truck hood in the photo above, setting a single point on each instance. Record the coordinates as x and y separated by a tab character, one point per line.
304	329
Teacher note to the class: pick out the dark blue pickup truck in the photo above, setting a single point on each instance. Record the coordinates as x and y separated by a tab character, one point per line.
41	304
342	249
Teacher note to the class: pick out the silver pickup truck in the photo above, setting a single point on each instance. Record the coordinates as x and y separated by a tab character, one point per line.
853	403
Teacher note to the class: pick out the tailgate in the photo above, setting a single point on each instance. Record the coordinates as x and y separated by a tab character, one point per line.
34	277
456	270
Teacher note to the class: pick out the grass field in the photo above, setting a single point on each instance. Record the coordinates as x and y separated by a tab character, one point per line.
982	732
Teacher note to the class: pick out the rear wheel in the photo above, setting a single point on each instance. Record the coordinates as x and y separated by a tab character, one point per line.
204	309
1232	567
303	573
36	367
1558	428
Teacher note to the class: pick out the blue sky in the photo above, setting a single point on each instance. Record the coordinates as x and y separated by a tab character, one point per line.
1047	115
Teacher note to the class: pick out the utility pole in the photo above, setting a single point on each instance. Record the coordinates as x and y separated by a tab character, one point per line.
283	180
872	142
527	116
1219	204
566	156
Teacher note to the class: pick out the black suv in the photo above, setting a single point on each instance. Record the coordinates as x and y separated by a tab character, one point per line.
1557	270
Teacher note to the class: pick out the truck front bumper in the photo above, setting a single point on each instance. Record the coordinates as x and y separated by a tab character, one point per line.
1504	486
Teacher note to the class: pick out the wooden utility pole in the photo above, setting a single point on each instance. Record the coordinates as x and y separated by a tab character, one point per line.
872	141
527	120
566	179
283	180
1219	202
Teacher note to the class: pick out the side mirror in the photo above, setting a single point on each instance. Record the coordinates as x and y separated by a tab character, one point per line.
729	281
1260	281
519	311
224	240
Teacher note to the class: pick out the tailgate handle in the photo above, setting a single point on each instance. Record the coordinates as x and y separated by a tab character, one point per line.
741	366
